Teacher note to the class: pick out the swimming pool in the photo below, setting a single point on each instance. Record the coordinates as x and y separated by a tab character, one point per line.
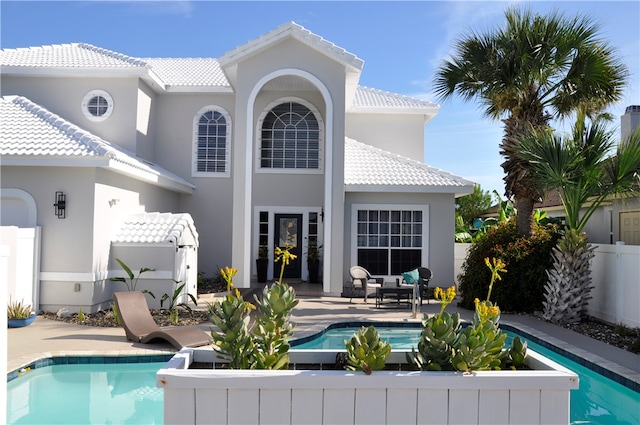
598	400
87	390
97	390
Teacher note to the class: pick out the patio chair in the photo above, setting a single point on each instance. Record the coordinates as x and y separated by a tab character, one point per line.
361	279
139	325
423	276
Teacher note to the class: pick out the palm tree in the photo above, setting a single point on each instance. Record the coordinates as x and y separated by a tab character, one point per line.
533	70
580	168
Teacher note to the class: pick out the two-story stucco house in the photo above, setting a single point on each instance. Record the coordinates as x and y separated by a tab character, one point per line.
273	143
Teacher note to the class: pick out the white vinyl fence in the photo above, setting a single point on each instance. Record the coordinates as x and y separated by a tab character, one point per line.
615	273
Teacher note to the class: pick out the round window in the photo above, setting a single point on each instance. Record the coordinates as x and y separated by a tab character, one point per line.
97	105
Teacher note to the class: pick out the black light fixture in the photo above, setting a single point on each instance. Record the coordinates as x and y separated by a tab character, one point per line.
60	205
322	214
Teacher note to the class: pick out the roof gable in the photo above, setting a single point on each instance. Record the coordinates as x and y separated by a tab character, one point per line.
369	169
292	30
33	135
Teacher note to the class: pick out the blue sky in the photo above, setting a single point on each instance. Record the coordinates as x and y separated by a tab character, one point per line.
401	43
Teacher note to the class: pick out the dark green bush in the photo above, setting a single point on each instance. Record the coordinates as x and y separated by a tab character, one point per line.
522	287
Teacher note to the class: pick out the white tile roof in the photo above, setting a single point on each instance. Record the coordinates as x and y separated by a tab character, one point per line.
195	74
189	72
72	55
367	98
369	169
31	133
157	228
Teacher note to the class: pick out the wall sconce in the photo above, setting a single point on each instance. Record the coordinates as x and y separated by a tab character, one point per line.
322	214
60	205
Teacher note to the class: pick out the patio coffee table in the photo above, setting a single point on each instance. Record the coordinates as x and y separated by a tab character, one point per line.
396	293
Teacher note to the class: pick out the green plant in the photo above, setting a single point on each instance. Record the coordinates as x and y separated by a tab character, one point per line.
273	329
527	72
266	345
173	307
517	353
81	316
439	332
18	310
624	330
635	346
366	351
116	313
263	252
133	279
522	289
446	345
313	252
234	342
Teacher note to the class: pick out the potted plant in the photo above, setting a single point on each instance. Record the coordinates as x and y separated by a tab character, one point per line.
19	314
262	263
313	261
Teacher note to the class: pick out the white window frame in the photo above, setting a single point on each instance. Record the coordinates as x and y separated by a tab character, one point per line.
391	207
91	95
194	148
321	139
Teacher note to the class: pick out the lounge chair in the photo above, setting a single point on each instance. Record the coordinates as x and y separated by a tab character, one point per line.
361	278
139	325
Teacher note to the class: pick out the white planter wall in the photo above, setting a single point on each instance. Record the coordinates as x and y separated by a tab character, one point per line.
220	396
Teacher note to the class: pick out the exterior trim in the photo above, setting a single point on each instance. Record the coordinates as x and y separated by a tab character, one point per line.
245	267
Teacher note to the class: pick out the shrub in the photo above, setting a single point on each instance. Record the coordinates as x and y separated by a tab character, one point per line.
527	259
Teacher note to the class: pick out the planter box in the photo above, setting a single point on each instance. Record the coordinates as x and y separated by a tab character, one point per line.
222	396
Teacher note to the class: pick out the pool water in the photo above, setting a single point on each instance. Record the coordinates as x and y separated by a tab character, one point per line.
122	393
598	400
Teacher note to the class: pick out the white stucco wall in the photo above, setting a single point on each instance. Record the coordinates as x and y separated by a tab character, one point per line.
440	249
401	134
63	96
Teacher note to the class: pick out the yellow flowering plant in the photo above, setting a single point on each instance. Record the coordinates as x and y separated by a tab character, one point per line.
265	345
446	345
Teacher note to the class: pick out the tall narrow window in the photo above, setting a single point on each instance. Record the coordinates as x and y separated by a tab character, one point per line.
211	150
290	138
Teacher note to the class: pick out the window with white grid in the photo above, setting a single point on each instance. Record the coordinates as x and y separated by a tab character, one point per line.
211	144
290	138
389	242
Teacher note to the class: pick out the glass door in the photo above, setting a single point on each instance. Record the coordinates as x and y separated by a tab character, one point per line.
288	233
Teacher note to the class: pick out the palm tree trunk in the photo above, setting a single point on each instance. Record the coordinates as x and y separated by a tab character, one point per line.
524	216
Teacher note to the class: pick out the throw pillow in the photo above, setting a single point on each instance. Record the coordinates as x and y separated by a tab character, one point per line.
411	277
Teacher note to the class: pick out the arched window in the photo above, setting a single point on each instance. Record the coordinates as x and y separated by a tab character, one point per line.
290	138
211	145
